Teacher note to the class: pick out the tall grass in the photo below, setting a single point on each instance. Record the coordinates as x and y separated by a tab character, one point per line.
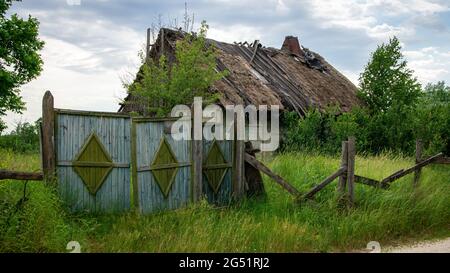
274	225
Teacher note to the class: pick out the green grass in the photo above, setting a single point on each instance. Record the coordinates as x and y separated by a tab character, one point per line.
401	214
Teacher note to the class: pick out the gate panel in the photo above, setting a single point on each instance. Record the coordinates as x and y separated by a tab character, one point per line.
218	171
163	167
93	160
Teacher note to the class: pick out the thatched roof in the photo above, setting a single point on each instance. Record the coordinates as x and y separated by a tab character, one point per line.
292	77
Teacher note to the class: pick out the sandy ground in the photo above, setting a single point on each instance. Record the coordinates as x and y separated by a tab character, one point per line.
441	246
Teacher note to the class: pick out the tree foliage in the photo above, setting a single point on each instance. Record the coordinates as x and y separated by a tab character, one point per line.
165	85
433	112
386	81
396	113
20	61
24	138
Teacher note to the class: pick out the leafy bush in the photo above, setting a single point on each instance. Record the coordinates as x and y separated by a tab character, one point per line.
165	85
24	138
433	111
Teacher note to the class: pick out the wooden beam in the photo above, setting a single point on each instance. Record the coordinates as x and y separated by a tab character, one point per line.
255	50
4	174
419	149
48	136
351	170
163	38
324	183
239	166
197	155
147	47
403	173
260	166
442	160
343	177
370	182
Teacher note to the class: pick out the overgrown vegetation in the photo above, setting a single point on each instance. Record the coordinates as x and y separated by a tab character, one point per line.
396	112
164	85
23	139
42	223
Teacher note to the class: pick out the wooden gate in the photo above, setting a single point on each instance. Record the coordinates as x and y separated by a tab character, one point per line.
162	173
218	159
101	158
93	160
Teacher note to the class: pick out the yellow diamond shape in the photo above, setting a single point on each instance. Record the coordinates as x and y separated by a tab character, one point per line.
93	164
164	167
215	167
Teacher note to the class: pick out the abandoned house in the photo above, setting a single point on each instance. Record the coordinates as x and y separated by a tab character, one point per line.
293	77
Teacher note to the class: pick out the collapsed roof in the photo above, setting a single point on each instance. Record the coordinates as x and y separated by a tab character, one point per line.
292	77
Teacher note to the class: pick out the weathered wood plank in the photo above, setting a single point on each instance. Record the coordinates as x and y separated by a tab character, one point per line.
403	173
351	170
4	174
197	170
442	160
91	113
419	149
239	161
48	136
324	183
370	182
343	177
278	179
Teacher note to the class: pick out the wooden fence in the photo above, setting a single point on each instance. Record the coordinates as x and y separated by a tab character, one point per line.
347	176
105	162
97	158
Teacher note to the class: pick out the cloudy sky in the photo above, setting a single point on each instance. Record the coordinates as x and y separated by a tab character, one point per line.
91	46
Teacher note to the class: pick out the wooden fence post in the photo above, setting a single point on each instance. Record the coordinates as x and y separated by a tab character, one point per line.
48	136
147	47
419	149
351	169
343	177
239	165
197	155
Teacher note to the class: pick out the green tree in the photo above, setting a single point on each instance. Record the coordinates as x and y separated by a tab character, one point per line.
433	113
163	85
437	94
20	61
24	138
386	81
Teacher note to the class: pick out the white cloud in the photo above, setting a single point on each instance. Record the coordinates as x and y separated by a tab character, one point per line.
369	15
384	31
234	33
430	64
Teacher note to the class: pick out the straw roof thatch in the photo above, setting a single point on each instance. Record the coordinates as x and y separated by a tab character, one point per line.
293	77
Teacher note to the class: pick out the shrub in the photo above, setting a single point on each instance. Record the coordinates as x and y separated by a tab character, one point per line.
165	85
24	138
433	125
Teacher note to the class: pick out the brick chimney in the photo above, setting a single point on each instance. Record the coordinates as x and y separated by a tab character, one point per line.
292	45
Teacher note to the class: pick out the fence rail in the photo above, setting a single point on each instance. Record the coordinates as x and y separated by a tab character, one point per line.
347	176
5	174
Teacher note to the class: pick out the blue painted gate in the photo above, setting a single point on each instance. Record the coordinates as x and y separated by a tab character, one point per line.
109	162
111	135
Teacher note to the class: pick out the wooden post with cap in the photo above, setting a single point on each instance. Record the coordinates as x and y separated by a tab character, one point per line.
48	137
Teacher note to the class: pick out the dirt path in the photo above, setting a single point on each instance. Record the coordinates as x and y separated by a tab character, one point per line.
441	246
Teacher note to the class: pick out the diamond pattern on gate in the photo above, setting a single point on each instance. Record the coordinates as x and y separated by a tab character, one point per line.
215	167
93	164
164	167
